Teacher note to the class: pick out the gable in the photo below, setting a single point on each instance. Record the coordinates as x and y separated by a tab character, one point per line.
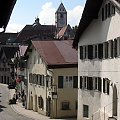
90	13
61	8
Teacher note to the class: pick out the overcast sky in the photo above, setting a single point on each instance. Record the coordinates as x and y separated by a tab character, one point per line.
25	12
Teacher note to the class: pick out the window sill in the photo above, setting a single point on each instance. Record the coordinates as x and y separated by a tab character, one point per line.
65	109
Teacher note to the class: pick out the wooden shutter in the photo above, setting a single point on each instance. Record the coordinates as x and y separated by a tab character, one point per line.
90	51
103	85
100	51
75	81
115	47
107	87
90	83
111	48
81	52
106	49
60	81
99	84
81	81
109	10
103	17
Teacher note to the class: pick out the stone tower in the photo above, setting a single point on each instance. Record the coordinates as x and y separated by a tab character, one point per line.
60	17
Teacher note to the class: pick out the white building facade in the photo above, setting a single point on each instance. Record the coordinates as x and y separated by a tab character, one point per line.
98	62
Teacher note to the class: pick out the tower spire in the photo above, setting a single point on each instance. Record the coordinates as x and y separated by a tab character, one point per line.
61	17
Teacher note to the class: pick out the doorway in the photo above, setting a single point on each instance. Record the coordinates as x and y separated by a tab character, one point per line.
36	109
48	106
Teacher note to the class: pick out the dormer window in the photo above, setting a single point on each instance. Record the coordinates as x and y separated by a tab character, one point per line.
107	11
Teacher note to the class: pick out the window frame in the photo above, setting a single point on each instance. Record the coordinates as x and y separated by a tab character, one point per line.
85	111
65	105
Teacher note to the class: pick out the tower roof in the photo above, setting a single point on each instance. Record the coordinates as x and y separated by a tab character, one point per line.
61	8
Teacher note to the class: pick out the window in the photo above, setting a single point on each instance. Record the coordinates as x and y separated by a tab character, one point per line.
40	102
105	49
95	51
85	111
106	84
65	105
61	15
90	83
86	82
97	83
68	82
107	11
85	51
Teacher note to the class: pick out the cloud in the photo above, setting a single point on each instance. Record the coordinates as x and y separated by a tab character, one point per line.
74	15
47	14
12	27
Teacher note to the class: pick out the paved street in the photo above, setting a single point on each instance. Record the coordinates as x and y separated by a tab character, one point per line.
6	112
16	111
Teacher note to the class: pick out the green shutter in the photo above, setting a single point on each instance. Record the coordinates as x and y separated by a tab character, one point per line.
60	81
81	52
100	51
90	51
108	87
99	84
81	81
103	85
75	81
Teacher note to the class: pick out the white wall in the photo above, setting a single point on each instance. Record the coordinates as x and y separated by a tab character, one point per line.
98	32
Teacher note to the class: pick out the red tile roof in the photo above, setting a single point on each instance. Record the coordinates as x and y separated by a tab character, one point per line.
4	37
30	31
56	52
62	31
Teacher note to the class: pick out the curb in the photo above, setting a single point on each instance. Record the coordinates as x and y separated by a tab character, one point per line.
16	111
21	113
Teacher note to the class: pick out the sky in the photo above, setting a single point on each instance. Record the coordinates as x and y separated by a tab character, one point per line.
25	12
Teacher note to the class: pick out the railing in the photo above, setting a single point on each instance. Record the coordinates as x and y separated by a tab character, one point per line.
103	113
